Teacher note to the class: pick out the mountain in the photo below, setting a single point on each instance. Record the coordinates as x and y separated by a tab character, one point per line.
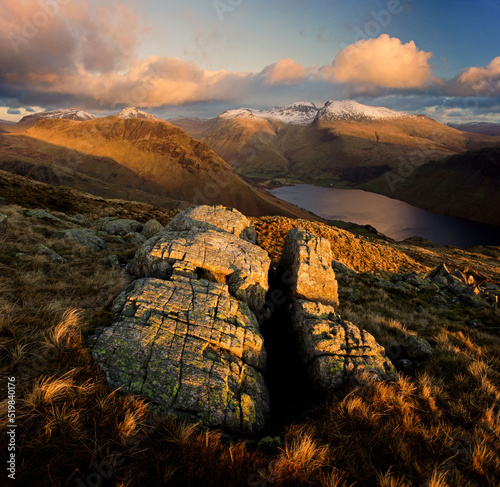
6	122
484	128
463	185
63	114
343	142
132	159
133	112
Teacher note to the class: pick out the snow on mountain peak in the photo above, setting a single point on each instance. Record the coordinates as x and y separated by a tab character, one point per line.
351	110
304	113
132	112
298	113
63	113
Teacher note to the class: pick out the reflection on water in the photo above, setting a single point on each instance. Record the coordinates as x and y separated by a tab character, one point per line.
393	218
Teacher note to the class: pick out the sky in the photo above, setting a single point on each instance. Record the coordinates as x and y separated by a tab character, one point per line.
199	58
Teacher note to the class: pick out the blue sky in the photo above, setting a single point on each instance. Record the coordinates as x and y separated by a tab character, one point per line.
201	57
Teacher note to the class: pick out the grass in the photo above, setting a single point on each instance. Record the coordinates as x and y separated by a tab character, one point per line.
437	426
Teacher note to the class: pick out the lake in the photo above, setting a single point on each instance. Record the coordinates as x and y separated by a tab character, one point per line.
393	218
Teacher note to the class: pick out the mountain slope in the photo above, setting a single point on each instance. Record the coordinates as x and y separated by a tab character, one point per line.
149	156
342	141
463	185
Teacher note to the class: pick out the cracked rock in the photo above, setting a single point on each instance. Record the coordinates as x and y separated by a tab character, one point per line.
189	347
217	256
306	266
333	349
217	218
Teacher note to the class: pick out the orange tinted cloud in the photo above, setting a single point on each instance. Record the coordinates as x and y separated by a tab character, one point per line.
480	81
284	72
381	62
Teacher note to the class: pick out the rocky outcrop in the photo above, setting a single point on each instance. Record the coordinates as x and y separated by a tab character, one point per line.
184	336
216	255
191	348
331	349
214	218
306	267
334	349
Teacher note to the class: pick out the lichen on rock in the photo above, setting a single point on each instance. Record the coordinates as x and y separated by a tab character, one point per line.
189	347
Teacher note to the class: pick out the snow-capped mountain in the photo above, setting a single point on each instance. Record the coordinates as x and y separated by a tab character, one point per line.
299	113
304	113
351	110
64	113
132	112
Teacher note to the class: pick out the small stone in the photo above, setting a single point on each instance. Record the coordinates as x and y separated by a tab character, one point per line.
44	215
151	228
51	254
117	226
112	260
4	223
85	238
439	271
416	348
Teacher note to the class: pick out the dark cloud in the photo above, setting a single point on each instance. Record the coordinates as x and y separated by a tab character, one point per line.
14	111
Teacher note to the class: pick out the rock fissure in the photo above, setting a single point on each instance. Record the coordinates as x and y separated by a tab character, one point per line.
186	336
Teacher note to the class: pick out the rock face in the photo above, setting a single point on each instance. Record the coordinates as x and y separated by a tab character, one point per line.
214	218
190	347
333	349
216	255
187	340
306	266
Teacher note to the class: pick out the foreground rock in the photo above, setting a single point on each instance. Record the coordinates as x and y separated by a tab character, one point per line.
306	267
217	256
334	349
191	348
217	218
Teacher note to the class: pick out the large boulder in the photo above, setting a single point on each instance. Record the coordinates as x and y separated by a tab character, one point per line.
117	226
217	256
189	347
306	268
217	218
334	349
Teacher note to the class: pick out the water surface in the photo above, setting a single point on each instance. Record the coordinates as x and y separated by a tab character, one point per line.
393	218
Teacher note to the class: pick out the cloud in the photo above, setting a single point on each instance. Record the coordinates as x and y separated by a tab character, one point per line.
284	72
43	37
478	81
14	111
384	62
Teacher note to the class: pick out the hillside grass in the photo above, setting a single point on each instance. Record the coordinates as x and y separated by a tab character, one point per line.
437	427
